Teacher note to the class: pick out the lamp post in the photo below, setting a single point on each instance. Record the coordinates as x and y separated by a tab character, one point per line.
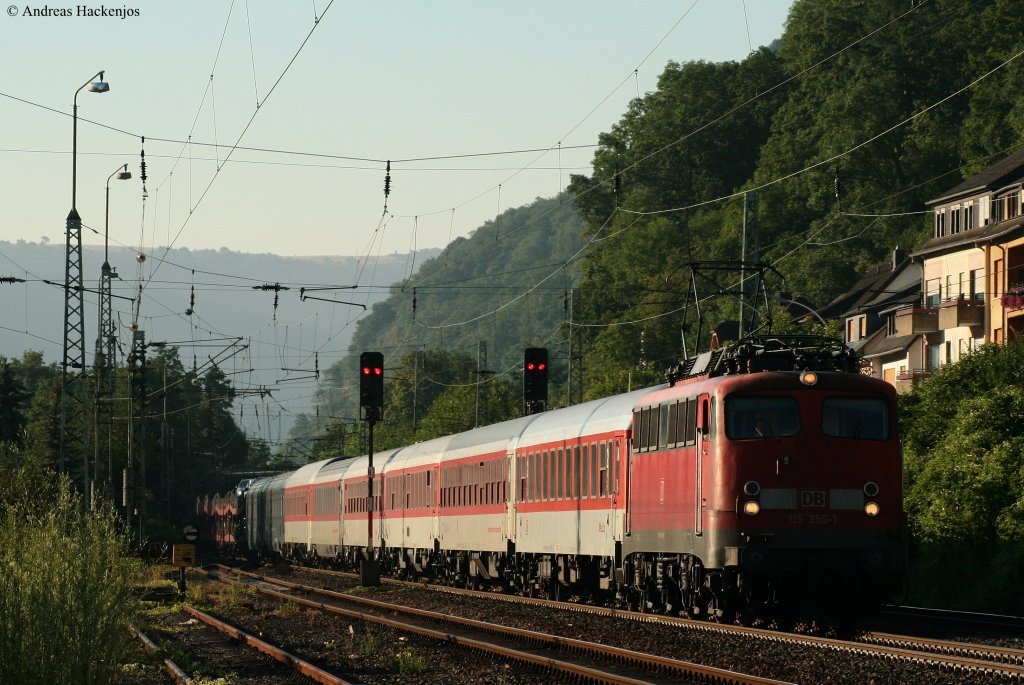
74	419
105	337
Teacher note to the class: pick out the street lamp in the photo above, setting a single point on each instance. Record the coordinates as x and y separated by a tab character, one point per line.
100	86
105	336
73	388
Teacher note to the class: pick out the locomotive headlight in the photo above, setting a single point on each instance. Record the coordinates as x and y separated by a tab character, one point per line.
871	489
871	509
751	508
751	487
808	378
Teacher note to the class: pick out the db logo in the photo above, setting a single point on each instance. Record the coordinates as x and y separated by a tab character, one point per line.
812	498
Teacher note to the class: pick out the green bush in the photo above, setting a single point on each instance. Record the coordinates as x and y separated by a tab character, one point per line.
964	459
65	584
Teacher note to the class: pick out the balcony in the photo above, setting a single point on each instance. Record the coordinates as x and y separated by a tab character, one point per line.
1013	299
914	320
908	379
961	312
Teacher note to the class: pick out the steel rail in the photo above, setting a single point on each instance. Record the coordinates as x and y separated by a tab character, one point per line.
973	662
173	669
299	664
697	672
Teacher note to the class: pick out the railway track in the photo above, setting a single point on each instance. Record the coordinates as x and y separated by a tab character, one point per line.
564	658
982	662
235	655
956	618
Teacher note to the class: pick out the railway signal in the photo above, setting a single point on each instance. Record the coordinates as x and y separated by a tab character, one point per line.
371	383
535	379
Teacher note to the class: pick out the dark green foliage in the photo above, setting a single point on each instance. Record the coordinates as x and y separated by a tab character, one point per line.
190	440
964	457
12	403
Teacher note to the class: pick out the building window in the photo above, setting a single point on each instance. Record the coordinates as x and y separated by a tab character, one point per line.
977	284
1008	206
934	355
954	219
890	324
968	216
932	288
940	223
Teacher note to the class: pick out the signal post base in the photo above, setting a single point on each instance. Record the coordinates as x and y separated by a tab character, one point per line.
369	573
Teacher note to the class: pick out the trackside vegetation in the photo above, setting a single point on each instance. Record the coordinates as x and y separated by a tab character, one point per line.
65	583
964	468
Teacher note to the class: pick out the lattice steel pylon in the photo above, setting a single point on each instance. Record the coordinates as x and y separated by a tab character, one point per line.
574	384
74	419
106	379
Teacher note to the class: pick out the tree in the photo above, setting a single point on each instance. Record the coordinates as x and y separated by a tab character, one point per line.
12	404
964	458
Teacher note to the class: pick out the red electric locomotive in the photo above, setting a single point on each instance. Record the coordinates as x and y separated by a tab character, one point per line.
767	476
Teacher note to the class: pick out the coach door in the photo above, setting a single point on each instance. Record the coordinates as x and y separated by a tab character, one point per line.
703	436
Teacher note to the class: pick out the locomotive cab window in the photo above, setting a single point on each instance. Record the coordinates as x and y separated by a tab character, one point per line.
856	418
748	418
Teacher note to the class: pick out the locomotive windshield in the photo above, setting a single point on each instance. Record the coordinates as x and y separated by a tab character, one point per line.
761	417
857	418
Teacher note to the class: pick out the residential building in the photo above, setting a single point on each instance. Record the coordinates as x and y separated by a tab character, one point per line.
867	312
972	266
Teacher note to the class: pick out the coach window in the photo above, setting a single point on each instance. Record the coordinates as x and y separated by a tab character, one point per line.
637	416
761	417
584	471
534	476
663	426
652	436
568	472
615	467
552	474
575	480
602	484
856	418
593	470
521	474
673	428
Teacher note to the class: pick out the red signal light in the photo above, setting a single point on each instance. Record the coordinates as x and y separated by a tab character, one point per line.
531	366
377	371
366	371
541	367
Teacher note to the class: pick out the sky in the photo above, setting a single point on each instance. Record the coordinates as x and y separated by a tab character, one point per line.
327	92
268	126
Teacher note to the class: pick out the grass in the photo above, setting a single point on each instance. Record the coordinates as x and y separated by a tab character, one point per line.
287	610
409	663
66	590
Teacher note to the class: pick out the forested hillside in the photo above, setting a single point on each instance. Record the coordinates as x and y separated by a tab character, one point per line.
871	99
841	132
505	286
